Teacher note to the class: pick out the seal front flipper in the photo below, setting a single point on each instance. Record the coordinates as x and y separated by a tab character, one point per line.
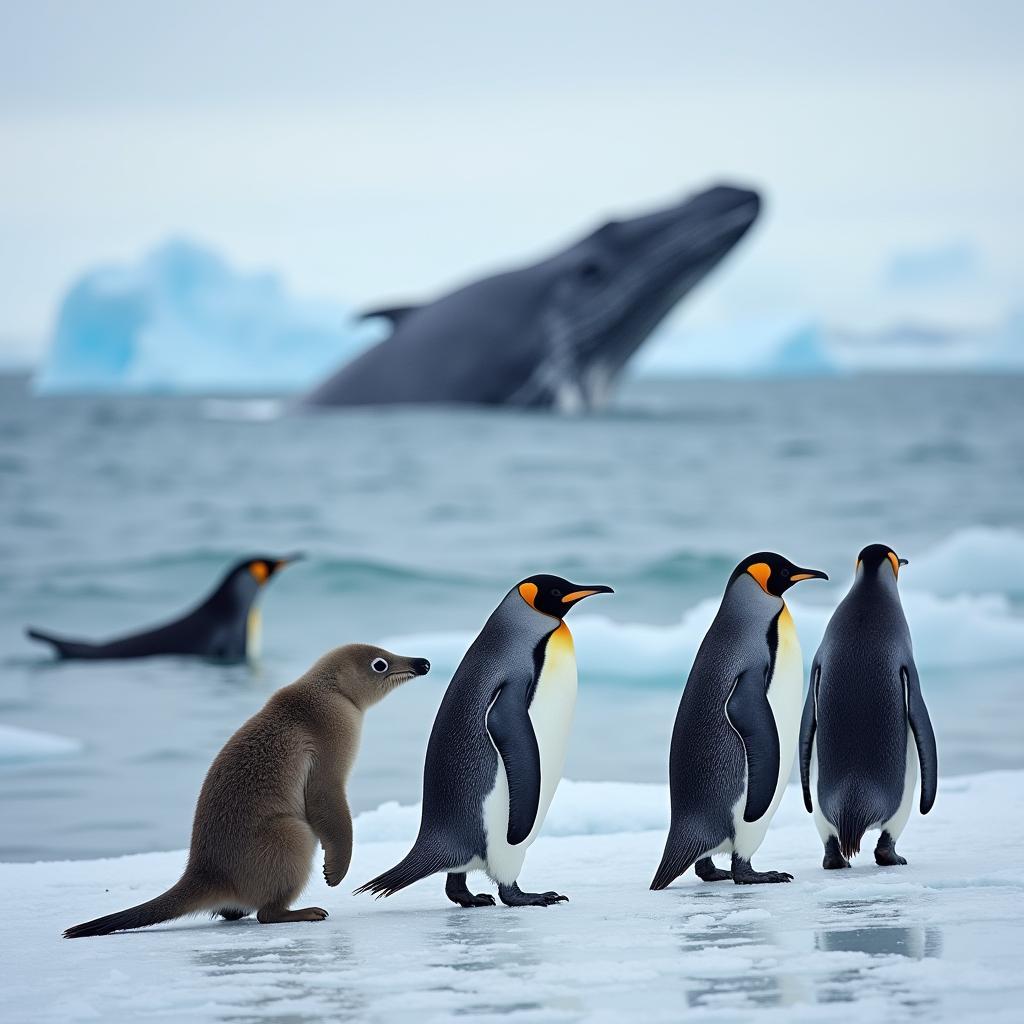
511	731
924	736
750	715
808	725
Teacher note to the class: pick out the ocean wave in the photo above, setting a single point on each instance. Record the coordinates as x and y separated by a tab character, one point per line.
976	560
28	745
958	631
246	410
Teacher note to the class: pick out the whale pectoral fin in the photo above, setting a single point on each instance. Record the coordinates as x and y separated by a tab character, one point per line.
751	716
924	737
393	313
511	731
808	726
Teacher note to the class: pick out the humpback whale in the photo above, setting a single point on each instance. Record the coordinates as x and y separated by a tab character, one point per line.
555	334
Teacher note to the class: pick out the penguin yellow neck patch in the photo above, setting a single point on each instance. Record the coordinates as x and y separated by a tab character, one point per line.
259	571
528	592
895	564
761	571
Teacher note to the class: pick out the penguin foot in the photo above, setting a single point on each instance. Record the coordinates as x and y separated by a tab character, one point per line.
885	852
513	896
457	891
744	874
706	871
834	858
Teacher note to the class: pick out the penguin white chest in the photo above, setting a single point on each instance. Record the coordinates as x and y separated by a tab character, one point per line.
554	702
785	692
785	689
551	712
254	634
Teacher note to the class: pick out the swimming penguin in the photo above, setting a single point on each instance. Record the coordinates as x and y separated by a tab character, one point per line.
223	627
736	729
864	693
273	792
497	748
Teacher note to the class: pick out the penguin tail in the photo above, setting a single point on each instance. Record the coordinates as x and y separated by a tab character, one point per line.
852	821
423	859
180	900
682	850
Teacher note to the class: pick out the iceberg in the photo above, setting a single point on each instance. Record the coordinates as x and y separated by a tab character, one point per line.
183	320
940	937
788	346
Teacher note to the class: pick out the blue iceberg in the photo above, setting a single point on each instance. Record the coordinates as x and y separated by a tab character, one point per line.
182	320
773	346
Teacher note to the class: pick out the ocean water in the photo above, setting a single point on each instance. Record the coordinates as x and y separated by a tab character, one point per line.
118	512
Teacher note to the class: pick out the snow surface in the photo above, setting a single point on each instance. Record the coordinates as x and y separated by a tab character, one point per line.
937	940
182	320
29	745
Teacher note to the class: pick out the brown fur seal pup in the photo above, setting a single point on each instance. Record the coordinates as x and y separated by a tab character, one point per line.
276	788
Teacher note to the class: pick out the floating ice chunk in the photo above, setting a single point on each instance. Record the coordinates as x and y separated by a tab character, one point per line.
183	320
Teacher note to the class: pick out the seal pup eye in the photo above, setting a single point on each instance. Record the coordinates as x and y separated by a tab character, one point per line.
379	665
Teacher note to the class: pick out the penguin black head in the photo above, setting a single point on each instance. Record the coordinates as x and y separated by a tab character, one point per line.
262	568
773	573
879	556
553	595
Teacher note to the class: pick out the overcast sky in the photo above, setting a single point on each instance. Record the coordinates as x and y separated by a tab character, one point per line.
383	151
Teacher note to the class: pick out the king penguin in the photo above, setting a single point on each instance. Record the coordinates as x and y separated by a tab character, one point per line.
736	729
497	748
863	701
225	626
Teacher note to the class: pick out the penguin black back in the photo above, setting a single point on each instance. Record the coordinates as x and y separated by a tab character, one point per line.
863	702
217	628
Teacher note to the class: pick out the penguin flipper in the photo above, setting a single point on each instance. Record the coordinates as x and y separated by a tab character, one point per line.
511	731
808	726
924	736
750	714
62	648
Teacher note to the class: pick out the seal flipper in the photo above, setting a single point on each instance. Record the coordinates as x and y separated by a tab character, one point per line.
750	714
924	736
808	726
509	726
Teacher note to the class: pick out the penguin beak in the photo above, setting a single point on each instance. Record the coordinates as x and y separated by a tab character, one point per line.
295	556
808	574
903	561
582	592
